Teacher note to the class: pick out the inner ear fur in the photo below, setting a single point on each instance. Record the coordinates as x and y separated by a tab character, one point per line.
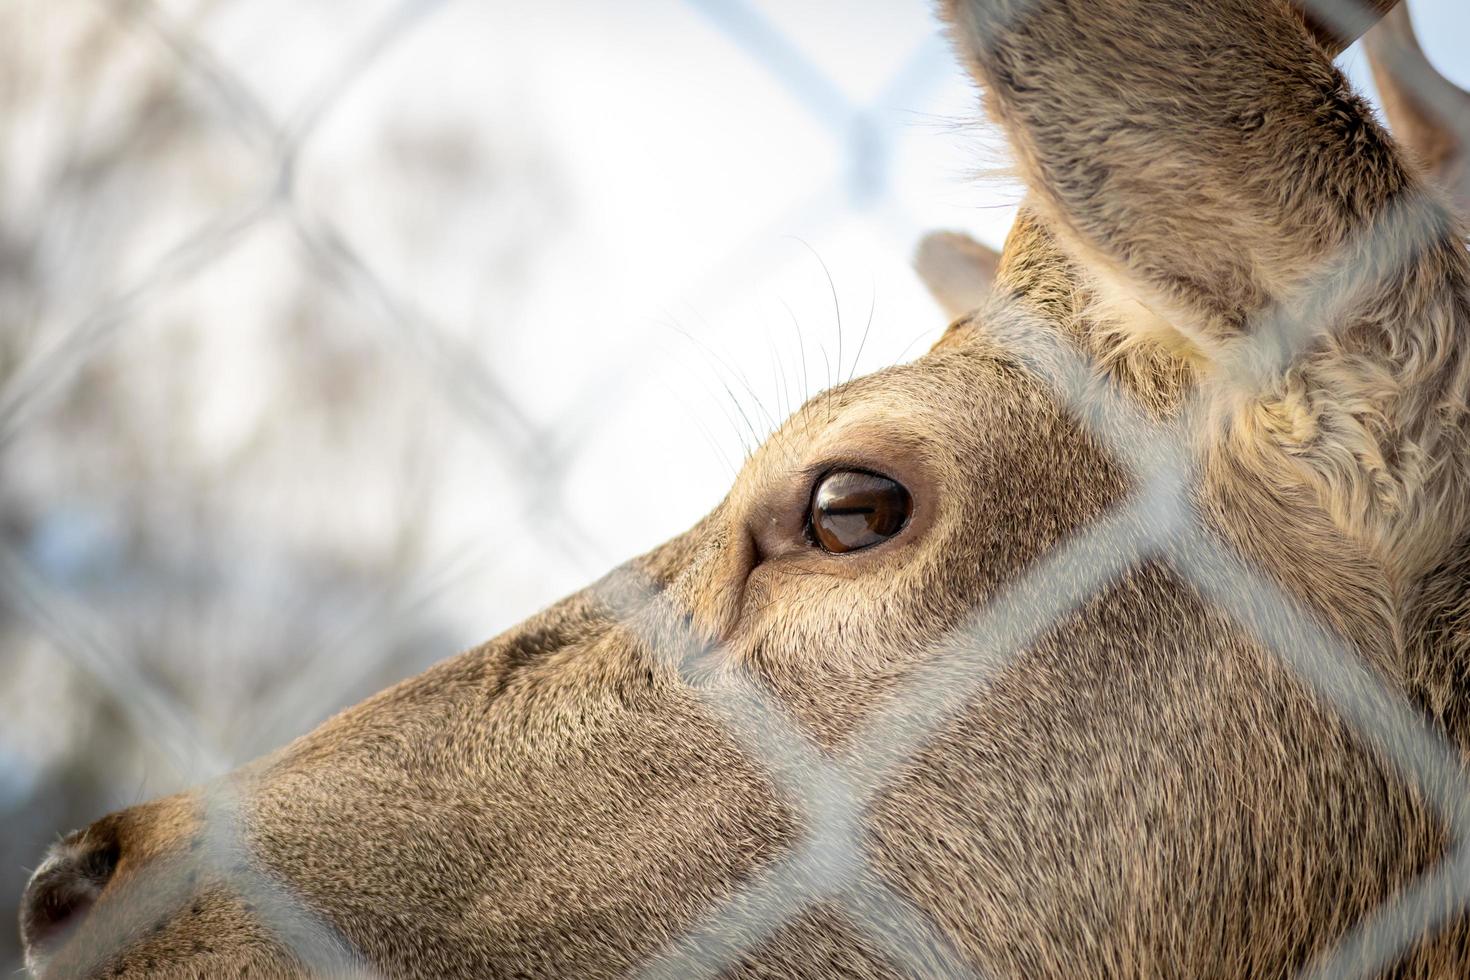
1212	178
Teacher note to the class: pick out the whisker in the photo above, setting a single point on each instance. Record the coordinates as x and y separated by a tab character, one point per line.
733	372
872	305
910	345
806	387
827	372
837	316
712	361
749	449
704	431
741	377
783	396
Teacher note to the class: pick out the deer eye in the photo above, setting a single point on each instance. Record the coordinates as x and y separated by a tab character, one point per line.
852	509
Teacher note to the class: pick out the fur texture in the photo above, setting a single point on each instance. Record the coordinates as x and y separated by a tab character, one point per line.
1145	791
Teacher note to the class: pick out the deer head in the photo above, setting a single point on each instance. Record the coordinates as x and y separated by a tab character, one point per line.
1122	634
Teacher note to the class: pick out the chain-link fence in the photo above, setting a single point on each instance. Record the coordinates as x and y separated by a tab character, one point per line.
303	357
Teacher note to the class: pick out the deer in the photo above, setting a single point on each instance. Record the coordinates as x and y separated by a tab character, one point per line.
1131	781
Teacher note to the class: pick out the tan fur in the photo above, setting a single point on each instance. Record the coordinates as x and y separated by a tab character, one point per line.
1145	791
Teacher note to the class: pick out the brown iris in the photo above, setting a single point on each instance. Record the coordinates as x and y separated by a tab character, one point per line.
852	509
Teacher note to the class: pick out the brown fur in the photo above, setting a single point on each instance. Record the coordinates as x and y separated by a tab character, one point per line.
1145	791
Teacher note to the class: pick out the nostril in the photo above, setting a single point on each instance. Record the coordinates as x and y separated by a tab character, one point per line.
64	889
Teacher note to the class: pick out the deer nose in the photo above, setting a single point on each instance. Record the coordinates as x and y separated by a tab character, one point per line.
66	886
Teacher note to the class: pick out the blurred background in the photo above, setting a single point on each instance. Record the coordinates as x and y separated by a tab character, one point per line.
336	337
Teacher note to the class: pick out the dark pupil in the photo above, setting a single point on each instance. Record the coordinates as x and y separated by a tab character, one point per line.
853	510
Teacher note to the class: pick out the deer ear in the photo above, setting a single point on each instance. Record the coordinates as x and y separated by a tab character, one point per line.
1429	114
1335	25
957	269
1209	165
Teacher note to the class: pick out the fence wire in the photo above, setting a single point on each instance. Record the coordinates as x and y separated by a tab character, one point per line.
829	791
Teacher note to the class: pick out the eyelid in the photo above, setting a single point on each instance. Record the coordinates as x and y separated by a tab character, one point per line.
778	517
